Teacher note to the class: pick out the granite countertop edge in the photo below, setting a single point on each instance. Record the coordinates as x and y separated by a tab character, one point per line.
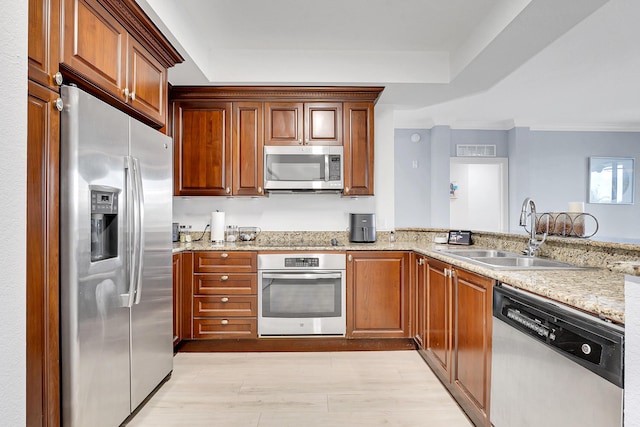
599	291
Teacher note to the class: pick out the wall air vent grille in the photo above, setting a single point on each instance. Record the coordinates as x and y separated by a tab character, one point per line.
475	150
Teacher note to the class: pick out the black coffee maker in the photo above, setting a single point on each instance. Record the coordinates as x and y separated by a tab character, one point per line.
362	228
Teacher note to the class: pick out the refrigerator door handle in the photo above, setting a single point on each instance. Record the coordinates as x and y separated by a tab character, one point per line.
139	217
130	230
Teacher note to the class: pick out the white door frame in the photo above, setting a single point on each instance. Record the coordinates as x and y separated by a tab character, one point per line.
503	163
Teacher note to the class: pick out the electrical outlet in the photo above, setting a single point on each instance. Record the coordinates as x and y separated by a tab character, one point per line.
414	164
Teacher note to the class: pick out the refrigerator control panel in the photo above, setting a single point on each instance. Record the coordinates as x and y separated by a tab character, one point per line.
103	202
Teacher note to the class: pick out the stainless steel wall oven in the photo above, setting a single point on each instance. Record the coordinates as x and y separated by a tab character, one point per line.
301	294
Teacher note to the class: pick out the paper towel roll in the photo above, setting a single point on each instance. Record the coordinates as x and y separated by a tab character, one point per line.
217	226
576	207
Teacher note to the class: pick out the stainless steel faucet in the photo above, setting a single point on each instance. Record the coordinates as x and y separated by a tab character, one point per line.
534	244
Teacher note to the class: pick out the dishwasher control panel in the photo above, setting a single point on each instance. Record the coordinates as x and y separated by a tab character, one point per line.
545	329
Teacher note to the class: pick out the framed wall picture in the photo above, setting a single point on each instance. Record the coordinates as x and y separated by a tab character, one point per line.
611	180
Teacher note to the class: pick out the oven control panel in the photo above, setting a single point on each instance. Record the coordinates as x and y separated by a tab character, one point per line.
301	262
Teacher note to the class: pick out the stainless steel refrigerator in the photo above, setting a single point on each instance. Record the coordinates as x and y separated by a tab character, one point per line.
115	261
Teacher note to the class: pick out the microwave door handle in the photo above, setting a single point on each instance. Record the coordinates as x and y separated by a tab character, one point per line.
302	276
326	167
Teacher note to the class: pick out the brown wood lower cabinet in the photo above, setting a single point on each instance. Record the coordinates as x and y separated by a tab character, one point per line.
224	301
457	341
377	294
471	379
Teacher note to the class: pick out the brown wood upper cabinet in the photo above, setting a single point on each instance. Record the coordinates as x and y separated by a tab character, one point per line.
218	148
202	148
308	123
99	49
247	149
259	116
358	148
377	295
44	40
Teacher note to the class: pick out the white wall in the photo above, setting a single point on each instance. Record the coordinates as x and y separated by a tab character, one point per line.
13	126
304	212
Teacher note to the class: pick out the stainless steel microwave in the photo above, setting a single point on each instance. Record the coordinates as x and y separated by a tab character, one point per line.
303	168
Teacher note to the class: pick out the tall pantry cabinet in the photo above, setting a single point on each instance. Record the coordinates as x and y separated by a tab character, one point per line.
150	56
43	118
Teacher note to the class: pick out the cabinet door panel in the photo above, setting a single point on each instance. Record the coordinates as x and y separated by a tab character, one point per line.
283	123
44	40
95	44
177	298
42	291
358	148
202	145
438	334
248	146
376	295
323	123
421	300
473	299
147	82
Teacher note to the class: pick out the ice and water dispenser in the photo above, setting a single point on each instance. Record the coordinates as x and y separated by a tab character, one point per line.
104	223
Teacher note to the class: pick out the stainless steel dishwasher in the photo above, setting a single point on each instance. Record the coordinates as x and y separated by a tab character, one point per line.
553	365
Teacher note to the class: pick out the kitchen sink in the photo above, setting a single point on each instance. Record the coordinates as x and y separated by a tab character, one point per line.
480	253
524	262
504	260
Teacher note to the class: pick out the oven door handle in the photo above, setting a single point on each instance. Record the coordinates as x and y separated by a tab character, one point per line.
302	276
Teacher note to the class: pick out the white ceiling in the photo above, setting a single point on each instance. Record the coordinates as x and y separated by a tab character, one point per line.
571	64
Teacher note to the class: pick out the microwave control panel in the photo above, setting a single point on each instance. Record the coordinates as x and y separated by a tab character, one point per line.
335	168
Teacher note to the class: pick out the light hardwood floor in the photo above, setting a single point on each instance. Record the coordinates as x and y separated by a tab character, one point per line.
328	389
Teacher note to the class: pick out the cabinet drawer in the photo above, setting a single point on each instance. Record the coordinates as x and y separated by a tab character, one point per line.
223	284
225	328
225	306
225	262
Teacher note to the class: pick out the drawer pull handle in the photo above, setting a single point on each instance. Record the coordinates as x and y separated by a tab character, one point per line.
224	299
225	322
223	278
224	255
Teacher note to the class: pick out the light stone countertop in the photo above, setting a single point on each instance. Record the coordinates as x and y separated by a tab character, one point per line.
599	291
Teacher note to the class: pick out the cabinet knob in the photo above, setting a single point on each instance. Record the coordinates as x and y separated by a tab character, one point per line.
59	104
421	261
346	189
227	190
125	93
57	78
224	278
225	322
260	190
224	255
224	299
132	96
350	258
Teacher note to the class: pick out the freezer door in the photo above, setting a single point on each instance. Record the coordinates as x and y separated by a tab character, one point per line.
152	311
94	318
